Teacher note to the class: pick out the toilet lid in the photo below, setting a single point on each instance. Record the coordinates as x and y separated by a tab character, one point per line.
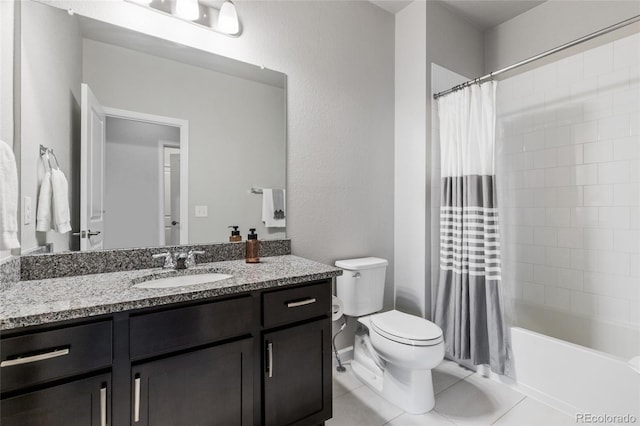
405	328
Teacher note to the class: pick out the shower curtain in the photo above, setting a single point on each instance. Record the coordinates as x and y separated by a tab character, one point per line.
469	305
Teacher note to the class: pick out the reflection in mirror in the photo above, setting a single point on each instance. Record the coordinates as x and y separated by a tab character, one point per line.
185	135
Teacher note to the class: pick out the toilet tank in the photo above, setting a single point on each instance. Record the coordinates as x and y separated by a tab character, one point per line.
361	286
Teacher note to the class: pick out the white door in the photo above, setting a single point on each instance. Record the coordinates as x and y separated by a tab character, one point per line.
174	161
92	124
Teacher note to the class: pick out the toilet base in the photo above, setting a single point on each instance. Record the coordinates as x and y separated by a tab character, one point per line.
411	390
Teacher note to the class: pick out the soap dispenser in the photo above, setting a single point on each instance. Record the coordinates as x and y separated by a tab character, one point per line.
235	234
253	247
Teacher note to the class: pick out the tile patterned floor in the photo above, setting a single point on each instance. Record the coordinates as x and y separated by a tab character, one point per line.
462	398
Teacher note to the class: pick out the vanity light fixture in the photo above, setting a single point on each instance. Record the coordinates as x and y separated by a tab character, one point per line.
227	22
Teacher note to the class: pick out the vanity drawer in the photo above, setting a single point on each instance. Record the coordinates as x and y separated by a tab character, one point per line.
185	327
296	304
49	355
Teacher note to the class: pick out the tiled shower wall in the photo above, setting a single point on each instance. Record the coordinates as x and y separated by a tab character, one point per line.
569	167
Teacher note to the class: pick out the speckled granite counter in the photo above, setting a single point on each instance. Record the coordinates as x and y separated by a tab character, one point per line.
35	302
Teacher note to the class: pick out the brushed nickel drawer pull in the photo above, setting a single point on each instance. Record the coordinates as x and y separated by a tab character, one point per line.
103	406
270	358
136	400
301	302
34	358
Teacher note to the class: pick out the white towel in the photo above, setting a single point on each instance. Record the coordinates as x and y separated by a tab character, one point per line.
61	216
43	217
8	199
267	210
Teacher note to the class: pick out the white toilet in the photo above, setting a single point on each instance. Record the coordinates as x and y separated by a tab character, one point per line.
393	352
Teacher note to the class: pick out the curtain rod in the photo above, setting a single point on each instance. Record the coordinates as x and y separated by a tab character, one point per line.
541	55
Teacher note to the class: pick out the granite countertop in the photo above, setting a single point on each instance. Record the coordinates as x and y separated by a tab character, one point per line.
28	303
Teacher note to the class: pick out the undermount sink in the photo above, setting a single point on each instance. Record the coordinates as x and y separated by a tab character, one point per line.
181	280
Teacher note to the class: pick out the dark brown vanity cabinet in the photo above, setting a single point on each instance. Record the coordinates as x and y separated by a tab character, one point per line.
297	356
260	358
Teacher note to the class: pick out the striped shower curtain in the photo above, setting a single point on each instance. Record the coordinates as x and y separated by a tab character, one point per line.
469	301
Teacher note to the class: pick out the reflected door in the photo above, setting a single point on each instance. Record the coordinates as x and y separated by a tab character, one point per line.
91	171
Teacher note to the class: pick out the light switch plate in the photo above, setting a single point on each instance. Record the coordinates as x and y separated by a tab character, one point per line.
202	211
27	210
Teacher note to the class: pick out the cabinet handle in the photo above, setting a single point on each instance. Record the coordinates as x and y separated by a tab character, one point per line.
270	359
301	302
136	399
103	406
34	358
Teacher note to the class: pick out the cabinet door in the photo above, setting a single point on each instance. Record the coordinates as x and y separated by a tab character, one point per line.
84	402
297	374
212	386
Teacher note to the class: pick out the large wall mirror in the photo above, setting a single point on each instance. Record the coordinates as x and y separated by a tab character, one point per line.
161	144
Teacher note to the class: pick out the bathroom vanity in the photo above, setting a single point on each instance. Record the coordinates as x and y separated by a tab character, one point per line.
254	349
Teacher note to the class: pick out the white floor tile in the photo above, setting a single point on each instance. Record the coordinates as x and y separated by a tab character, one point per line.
530	412
344	382
362	407
428	419
476	401
447	374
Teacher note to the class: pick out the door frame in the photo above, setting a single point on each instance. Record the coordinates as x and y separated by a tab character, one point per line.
161	189
183	125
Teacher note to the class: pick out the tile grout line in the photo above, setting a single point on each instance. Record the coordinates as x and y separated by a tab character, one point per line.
509	410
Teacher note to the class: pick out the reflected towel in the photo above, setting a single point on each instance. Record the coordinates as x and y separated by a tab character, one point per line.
8	199
43	217
61	216
268	210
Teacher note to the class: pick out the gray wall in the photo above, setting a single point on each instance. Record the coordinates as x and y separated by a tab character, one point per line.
132	182
51	52
236	130
549	25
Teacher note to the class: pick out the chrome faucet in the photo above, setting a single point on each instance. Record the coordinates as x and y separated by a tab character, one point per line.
179	260
168	260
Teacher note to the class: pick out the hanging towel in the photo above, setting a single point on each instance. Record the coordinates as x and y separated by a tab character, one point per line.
43	216
8	199
271	217
278	203
61	216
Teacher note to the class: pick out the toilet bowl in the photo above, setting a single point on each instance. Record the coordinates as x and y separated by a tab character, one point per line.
394	352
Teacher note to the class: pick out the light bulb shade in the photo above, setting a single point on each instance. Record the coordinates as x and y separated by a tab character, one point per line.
228	19
188	9
142	1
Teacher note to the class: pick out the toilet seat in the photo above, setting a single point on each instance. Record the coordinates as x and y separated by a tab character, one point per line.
406	329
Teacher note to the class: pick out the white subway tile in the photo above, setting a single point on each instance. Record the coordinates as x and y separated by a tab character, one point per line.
558	216
559	176
544	118
634	269
613	172
558	257
626	102
524	235
570	196
544	275
617	126
544	197
545	236
598	152
568	111
611	285
584	216
634	313
570	278
578	259
533	178
614	217
533	102
598	239
613	309
598	61
570	237
569	70
626	51
626	194
534	254
598	195
586	174
583	89
557	136
523	271
585	132
523	123
522	85
533	293
597	106
634	127
570	155
634	211
613	263
559	298
534	216
614	80
534	141
627	240
584	303
545	77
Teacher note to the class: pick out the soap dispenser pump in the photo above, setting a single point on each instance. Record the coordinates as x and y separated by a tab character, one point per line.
253	247
235	234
